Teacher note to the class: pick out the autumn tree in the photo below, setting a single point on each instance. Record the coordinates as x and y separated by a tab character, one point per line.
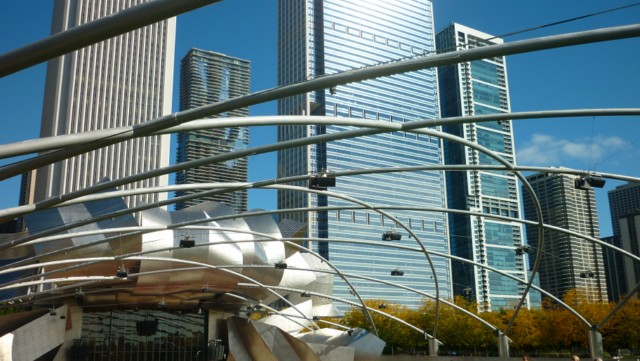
623	329
396	335
525	333
550	329
460	332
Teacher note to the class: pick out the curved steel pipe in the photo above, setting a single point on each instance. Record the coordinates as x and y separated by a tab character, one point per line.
503	273
95	31
329	81
121	133
546	226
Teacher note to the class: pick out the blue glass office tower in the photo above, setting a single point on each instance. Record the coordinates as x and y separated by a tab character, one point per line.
325	37
477	88
207	77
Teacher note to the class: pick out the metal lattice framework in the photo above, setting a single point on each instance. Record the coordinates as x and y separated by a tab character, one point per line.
62	147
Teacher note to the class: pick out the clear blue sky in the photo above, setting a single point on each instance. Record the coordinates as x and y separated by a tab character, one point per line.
599	75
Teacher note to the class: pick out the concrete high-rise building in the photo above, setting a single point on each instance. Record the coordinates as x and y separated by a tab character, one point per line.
208	77
318	38
568	262
476	88
624	201
121	81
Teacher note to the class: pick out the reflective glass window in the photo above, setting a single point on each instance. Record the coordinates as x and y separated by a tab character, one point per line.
486	94
501	258
142	335
485	71
491	140
494	186
499	233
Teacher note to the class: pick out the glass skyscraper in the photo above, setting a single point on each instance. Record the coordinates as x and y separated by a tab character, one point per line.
122	81
476	88
208	77
318	38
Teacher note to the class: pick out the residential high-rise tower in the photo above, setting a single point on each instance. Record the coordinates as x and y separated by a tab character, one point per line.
121	81
476	88
318	38
568	262
208	77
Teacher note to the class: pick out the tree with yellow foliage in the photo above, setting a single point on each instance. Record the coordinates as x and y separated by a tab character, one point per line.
551	328
395	334
623	329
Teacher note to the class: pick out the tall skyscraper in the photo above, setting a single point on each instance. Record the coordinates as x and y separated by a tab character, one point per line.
208	77
568	262
476	88
630	241
318	38
614	269
624	201
121	81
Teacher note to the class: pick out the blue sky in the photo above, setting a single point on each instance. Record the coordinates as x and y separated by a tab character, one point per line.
603	75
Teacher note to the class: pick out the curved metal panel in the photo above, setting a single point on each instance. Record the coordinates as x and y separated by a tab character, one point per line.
265	225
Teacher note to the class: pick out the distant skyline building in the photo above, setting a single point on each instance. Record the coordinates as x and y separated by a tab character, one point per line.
630	241
333	36
623	199
208	77
477	88
624	202
614	268
121	81
568	262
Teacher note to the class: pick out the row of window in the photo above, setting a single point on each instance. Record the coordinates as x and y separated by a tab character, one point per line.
390	42
380	220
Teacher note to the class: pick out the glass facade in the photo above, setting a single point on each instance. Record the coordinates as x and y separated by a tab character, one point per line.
341	36
207	77
142	335
479	88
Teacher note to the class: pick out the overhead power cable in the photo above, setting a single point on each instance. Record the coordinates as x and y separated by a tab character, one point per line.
564	21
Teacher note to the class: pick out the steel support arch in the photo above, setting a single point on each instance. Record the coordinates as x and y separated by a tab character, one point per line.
329	81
